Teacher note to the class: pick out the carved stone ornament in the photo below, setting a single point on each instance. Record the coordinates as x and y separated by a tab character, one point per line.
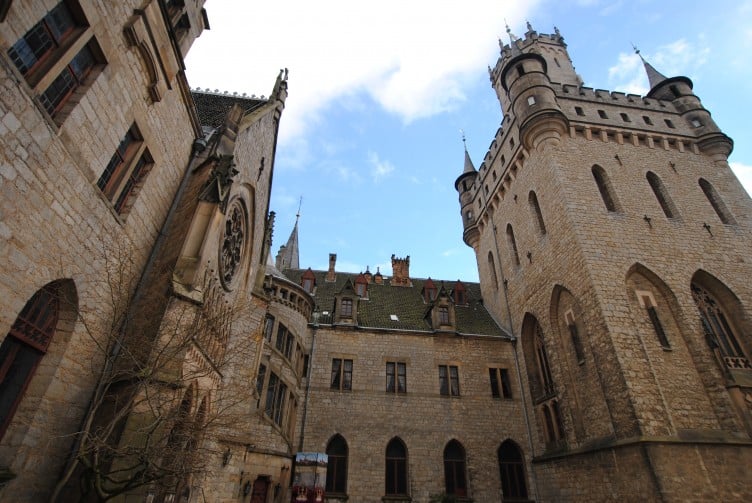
220	181
233	243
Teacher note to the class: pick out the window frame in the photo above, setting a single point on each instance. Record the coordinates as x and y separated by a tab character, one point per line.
341	376
346	307
336	466
501	385
126	171
449	380
60	64
396	469
398	370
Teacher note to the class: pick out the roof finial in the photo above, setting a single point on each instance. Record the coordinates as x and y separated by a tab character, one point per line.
297	215
464	142
654	76
529	26
637	51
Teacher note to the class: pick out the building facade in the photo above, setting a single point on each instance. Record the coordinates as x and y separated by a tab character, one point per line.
153	352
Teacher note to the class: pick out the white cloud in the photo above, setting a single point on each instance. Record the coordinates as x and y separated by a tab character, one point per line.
680	57
744	173
410	57
379	168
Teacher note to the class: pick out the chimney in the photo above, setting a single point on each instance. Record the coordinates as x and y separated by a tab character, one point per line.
378	278
279	259
401	271
330	275
368	275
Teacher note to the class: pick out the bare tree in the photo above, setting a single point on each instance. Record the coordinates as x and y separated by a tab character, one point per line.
163	363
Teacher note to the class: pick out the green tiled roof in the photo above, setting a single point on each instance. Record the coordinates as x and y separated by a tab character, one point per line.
405	302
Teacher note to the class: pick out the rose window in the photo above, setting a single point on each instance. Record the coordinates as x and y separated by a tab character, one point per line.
233	240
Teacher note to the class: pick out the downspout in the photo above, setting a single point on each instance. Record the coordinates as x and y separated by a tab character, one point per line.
315	326
199	146
517	363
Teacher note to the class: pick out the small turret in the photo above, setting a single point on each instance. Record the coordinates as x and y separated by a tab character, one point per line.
679	90
464	185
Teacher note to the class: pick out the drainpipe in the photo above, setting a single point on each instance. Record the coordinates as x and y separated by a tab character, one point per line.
517	364
315	326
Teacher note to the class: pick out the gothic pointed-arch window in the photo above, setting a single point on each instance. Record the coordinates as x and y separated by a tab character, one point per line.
512	244
396	468
532	199
492	268
512	472
24	347
336	466
455	479
605	189
716	202
718	330
661	194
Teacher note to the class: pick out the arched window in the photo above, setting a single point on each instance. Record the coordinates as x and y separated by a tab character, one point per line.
23	348
716	202
336	467
605	189
532	199
512	472
718	329
492	268
455	480
396	468
667	205
544	369
512	244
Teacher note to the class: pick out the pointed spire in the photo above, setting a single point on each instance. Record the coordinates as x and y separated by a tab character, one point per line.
469	167
654	76
289	254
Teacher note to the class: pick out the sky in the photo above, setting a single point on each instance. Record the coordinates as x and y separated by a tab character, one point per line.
379	94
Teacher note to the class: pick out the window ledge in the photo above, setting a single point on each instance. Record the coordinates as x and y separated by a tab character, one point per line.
396	498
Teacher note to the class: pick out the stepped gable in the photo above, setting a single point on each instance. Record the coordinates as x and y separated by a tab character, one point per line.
212	108
382	301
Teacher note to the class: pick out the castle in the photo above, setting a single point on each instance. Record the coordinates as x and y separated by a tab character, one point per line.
155	351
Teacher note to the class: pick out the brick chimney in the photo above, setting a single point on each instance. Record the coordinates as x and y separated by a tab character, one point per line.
378	278
401	271
331	276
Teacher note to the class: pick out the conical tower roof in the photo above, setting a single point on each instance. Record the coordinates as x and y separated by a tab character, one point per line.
288	256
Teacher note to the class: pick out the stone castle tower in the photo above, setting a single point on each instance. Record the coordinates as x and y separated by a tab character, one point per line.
612	241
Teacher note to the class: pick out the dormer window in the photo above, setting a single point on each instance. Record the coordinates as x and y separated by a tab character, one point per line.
459	294
443	315
361	286
429	291
308	280
346	308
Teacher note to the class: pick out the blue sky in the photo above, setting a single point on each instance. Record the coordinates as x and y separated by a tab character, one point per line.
370	137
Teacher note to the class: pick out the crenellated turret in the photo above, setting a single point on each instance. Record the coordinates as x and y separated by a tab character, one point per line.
522	79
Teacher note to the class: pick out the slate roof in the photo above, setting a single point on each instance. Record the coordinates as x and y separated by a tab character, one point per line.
405	302
212	108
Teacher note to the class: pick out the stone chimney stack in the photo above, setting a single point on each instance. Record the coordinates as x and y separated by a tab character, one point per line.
331	276
401	271
368	275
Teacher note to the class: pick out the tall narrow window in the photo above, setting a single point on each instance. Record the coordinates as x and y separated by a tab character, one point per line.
260	379
512	472
52	58
647	301
443	315
574	333
543	367
716	202
512	244
125	172
661	194
605	189
336	466
268	327
449	380
455	480
500	383
341	374
396	377
532	199
492	269
396	468
23	349
718	331
281	337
